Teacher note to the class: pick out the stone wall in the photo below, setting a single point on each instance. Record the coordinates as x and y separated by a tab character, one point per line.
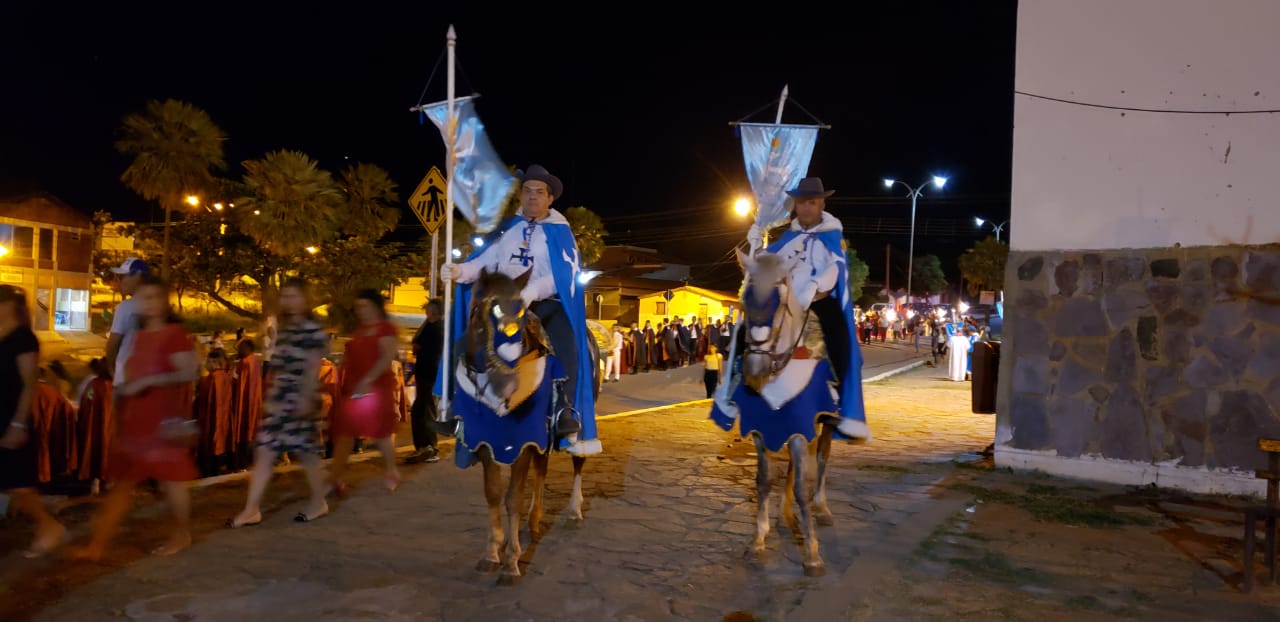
1157	356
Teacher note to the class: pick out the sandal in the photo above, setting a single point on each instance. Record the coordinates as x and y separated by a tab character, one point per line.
392	482
44	546
303	517
232	524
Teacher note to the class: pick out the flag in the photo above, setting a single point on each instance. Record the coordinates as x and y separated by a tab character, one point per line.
777	158
481	182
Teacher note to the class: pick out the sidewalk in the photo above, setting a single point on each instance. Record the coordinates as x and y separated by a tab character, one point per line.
924	530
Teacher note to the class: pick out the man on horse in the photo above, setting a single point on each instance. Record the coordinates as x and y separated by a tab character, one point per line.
538	241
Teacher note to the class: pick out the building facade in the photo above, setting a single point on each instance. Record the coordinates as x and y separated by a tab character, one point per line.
1142	337
48	251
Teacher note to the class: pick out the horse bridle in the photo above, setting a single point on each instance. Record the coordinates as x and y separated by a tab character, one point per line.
768	347
491	358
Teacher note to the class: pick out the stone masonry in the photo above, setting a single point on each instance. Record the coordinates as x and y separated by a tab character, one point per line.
1151	356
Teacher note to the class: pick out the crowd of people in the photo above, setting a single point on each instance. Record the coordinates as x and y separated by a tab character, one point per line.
164	406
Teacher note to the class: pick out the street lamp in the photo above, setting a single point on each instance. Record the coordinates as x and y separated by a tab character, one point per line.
742	206
1000	227
193	200
217	206
478	241
4	250
313	250
914	193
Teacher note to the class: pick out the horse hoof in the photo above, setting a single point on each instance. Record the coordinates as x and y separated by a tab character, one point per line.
508	580
825	520
487	566
815	570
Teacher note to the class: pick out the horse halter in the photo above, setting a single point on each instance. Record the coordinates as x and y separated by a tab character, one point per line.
778	315
492	314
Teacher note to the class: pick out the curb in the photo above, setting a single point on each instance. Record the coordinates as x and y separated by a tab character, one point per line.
894	372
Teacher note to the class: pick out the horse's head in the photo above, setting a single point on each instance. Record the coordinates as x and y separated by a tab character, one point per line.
499	333
771	317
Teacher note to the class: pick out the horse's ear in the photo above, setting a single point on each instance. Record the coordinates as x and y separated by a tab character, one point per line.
484	281
744	260
523	280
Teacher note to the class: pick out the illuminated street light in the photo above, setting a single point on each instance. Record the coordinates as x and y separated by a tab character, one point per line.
4	250
585	276
478	241
742	206
457	252
313	250
257	212
231	205
217	206
914	193
193	200
999	228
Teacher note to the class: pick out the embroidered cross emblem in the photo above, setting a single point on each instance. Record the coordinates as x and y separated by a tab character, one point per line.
524	257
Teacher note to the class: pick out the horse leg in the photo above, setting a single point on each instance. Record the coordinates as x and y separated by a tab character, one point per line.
493	497
540	461
813	566
575	498
822	513
762	497
788	501
515	497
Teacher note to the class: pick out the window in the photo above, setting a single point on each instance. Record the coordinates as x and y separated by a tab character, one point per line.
75	237
662	308
46	244
23	242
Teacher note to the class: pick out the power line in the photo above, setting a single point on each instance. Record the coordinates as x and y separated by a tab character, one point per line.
1131	109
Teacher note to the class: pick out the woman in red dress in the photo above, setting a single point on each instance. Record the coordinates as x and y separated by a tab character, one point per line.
155	404
366	406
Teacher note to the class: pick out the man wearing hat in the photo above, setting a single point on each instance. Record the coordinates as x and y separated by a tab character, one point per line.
814	248
124	322
538	240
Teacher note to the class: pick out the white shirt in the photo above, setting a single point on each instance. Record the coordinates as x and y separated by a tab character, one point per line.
124	323
521	248
814	268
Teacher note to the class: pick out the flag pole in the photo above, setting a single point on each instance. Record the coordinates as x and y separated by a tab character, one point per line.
451	123
777	120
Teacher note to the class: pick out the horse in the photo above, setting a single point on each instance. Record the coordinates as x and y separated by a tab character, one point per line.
786	399
509	384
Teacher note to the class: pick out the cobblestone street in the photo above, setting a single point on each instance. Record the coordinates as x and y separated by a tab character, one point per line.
668	516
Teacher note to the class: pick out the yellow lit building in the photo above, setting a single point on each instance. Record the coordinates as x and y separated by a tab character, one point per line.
46	248
687	301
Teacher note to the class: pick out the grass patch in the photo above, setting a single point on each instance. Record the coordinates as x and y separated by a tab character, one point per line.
996	567
1048	504
1086	603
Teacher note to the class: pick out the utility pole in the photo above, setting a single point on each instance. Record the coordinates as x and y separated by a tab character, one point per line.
888	292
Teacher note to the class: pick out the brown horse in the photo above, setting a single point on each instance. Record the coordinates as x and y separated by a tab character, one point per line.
505	358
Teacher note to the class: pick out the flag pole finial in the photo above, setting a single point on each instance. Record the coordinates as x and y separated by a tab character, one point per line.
781	102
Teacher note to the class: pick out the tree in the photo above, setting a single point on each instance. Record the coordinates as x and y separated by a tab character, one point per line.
983	265
371	201
588	232
175	148
927	277
290	204
858	272
341	268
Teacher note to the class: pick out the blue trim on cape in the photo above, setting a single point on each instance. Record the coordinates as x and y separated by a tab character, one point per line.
851	405
776	427
559	242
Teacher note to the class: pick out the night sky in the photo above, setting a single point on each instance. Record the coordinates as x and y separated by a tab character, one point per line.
629	104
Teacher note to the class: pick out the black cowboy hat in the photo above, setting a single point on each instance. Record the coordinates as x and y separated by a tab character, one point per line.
538	173
810	188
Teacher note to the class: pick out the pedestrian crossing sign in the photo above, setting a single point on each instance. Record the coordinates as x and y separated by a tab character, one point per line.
428	200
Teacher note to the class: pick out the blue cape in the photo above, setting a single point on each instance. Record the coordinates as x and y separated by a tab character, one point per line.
565	273
851	406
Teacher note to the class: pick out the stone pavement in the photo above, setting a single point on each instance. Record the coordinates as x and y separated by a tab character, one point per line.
669	512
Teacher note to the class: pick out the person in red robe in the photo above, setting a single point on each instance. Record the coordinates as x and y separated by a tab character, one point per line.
94	424
246	404
54	431
154	435
213	412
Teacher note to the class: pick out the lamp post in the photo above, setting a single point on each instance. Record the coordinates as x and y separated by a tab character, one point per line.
1000	227
914	194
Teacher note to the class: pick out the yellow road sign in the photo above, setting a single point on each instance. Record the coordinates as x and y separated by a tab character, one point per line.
428	200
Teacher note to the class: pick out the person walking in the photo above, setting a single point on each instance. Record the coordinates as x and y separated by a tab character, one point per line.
154	426
614	362
366	407
428	347
290	421
711	365
19	359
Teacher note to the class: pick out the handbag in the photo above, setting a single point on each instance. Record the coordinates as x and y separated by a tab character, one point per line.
180	432
364	411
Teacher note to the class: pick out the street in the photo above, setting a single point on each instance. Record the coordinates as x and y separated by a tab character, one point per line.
668	514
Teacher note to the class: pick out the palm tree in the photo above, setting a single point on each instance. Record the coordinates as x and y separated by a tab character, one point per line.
588	232
291	204
175	148
371	201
